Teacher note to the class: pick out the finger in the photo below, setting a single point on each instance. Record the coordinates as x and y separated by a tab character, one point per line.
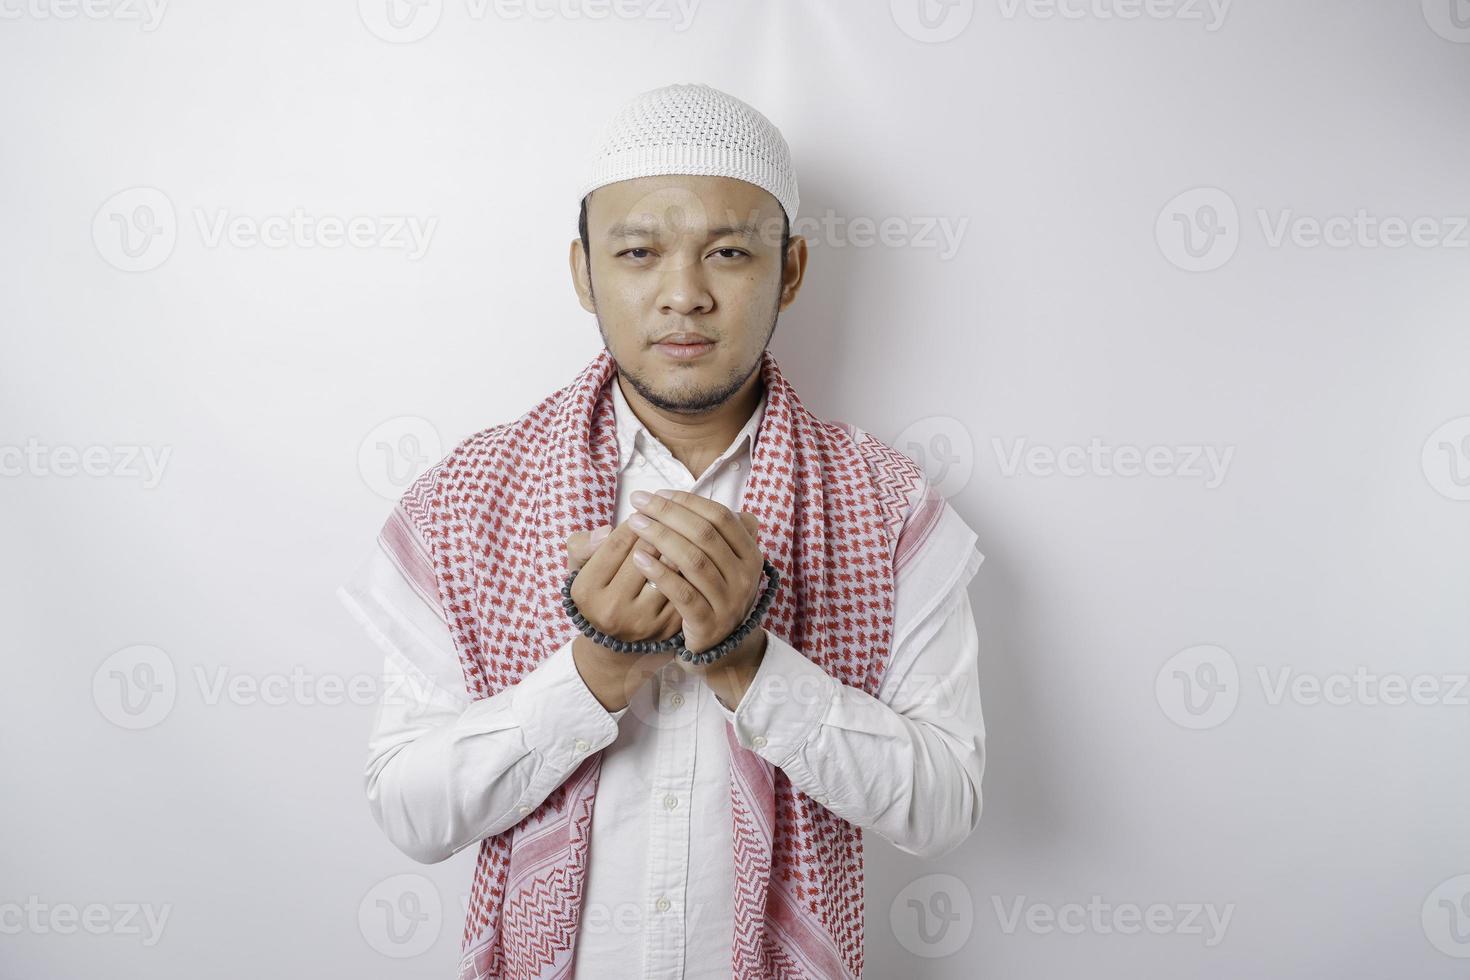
703	533
605	562
581	545
650	603
738	536
692	561
688	600
628	581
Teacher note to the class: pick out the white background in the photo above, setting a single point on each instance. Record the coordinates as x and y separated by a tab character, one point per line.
1073	309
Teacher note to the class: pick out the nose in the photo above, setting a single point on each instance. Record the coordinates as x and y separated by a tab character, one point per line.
683	291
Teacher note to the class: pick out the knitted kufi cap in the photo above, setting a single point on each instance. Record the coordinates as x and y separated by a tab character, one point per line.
694	129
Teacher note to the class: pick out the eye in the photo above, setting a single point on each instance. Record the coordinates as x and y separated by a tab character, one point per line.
738	252
630	251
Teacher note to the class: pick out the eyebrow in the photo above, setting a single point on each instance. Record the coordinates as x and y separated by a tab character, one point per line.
625	229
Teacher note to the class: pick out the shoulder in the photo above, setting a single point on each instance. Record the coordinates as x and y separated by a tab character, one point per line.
481	461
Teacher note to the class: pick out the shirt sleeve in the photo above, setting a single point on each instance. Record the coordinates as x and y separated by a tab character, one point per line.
906	764
444	771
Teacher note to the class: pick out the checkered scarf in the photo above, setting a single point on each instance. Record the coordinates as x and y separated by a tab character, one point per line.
482	534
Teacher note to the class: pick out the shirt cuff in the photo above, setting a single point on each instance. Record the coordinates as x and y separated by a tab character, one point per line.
787	699
560	718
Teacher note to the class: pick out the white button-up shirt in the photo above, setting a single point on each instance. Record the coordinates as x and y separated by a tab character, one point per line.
443	771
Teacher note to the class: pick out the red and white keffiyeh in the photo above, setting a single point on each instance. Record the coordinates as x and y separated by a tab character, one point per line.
482	537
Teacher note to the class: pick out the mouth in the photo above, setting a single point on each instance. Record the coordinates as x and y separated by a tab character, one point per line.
684	346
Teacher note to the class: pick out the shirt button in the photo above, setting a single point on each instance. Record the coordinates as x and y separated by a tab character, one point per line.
675	700
759	741
662	905
670	802
524	810
581	745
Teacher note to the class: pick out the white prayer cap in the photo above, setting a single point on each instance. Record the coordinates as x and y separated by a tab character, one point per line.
693	129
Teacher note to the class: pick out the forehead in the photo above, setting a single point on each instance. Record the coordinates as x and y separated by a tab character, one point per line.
671	201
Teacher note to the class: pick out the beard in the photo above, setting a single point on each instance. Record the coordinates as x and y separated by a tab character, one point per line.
688	398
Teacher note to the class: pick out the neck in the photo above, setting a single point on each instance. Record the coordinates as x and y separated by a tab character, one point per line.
696	440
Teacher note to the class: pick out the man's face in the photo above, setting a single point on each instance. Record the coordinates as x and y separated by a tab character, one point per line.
681	258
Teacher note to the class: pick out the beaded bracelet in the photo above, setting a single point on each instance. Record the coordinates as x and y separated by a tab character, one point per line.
675	643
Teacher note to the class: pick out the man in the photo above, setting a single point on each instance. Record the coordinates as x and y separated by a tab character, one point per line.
638	815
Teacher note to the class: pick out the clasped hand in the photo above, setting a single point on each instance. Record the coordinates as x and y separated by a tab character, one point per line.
680	560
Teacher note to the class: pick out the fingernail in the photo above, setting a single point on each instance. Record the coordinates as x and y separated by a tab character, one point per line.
640	497
600	533
641	559
639	521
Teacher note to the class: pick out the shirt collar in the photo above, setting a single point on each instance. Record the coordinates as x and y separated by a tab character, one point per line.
630	429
